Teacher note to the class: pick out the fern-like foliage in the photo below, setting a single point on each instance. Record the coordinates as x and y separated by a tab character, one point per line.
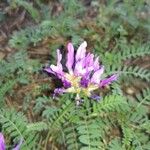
111	103
87	125
27	6
30	35
130	71
135	123
57	120
115	144
143	97
60	116
115	62
18	62
125	53
15	125
89	134
71	136
128	52
128	136
50	26
4	88
37	126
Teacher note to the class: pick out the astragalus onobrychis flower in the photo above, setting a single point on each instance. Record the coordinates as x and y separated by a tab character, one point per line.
83	75
3	146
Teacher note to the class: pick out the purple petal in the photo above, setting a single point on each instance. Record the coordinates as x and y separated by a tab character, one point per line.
96	76
95	97
70	57
81	51
88	60
96	64
84	82
108	80
59	57
56	70
17	147
58	91
79	69
66	84
88	64
2	142
49	70
84	66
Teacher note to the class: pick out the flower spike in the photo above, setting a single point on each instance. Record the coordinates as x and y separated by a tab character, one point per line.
84	72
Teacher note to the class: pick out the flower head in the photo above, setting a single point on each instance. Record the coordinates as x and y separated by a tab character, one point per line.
3	146
84	73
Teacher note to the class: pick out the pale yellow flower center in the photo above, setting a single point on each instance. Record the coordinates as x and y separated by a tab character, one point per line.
76	87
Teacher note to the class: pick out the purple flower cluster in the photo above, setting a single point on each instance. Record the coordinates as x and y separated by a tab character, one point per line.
3	146
84	72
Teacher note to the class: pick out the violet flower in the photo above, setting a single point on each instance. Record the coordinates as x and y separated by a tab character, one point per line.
3	146
84	72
